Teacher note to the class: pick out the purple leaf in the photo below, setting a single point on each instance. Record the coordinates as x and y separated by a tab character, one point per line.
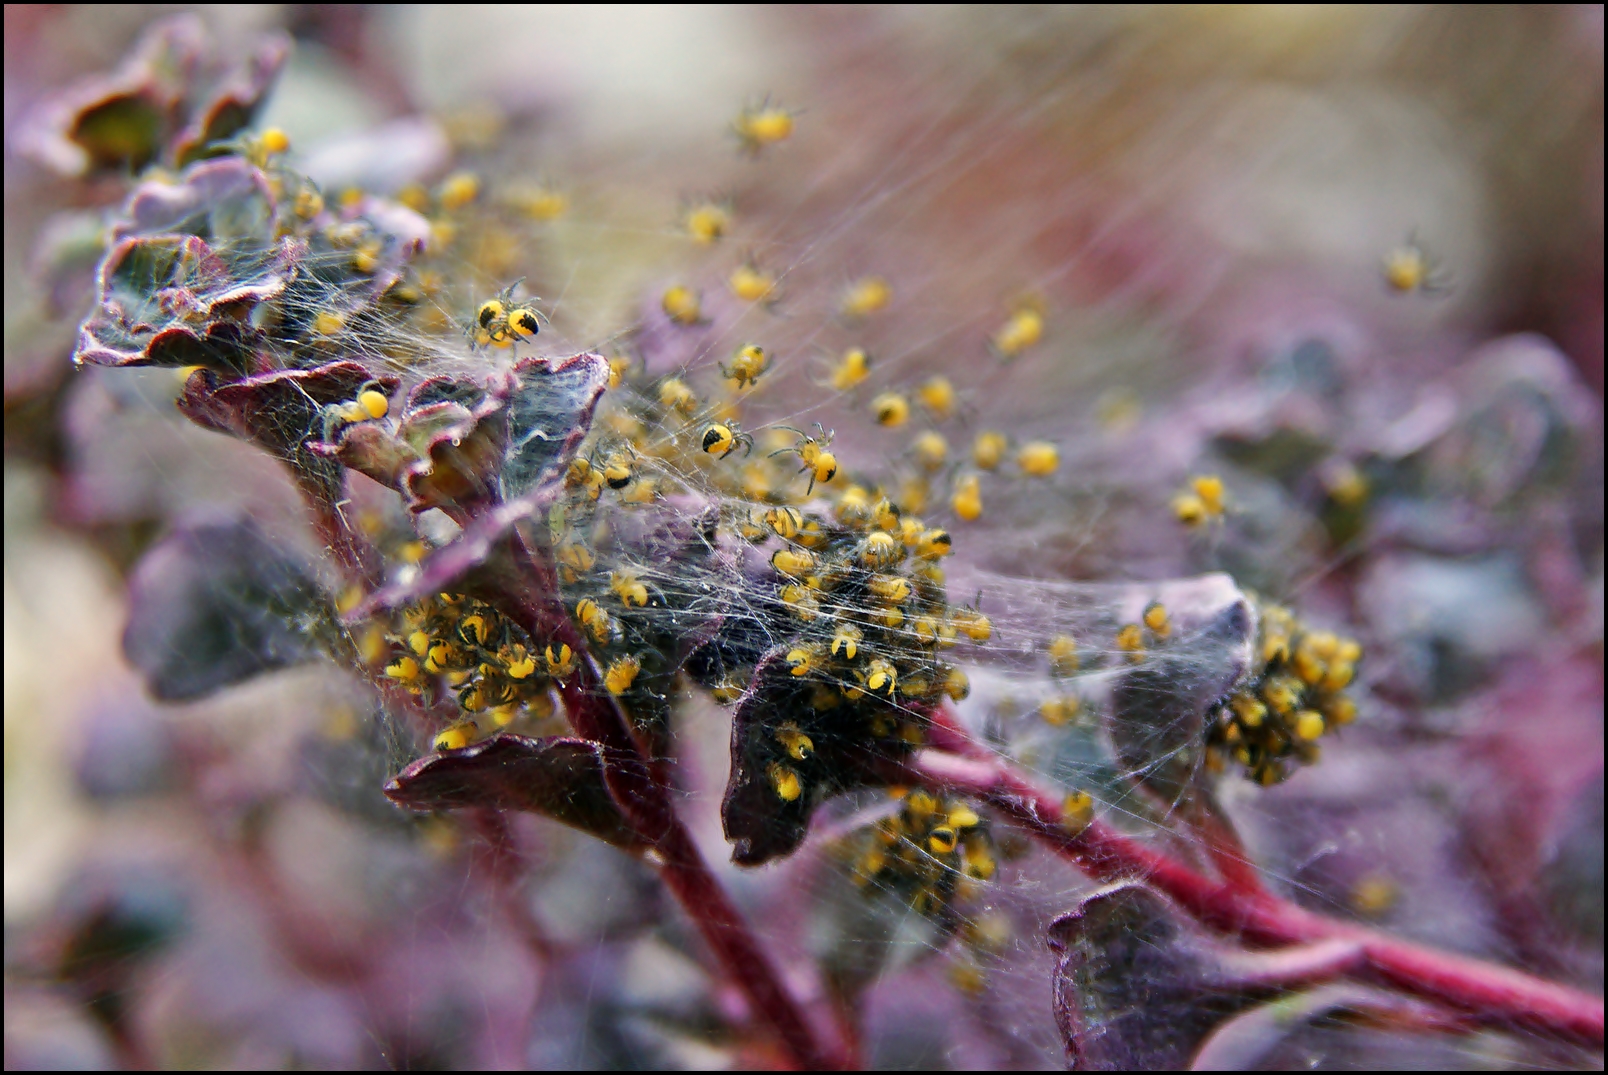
560	778
1244	1042
1138	985
462	446
547	407
280	412
215	604
169	300
1158	709
215	200
461	451
759	822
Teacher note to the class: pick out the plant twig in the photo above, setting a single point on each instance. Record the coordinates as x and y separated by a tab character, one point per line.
647	802
1488	992
1223	846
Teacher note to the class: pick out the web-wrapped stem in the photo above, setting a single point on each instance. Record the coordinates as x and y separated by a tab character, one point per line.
1490	993
646	801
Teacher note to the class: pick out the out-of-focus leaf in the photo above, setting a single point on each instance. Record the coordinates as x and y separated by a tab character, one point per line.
1449	620
112	927
234	103
119	122
1244	1041
1285	454
1572	880
1528	428
129	923
132	117
1139	986
1158	708
560	778
215	604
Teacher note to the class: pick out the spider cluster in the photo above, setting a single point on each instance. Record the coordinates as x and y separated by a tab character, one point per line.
453	645
1273	722
927	852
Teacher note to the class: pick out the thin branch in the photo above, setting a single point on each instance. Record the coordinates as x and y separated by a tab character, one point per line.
1222	842
1489	992
1224	846
647	802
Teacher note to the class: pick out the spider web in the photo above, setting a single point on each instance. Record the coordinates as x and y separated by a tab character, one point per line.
943	196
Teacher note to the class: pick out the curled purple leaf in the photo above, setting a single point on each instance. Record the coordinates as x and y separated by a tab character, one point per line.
193	259
462	446
169	300
766	817
281	412
560	778
1158	708
461	451
215	604
421	427
1139	986
547	409
431	412
371	450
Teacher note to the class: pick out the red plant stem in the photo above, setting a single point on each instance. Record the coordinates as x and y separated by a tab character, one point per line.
1221	841
700	893
1226	851
647	802
1489	992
